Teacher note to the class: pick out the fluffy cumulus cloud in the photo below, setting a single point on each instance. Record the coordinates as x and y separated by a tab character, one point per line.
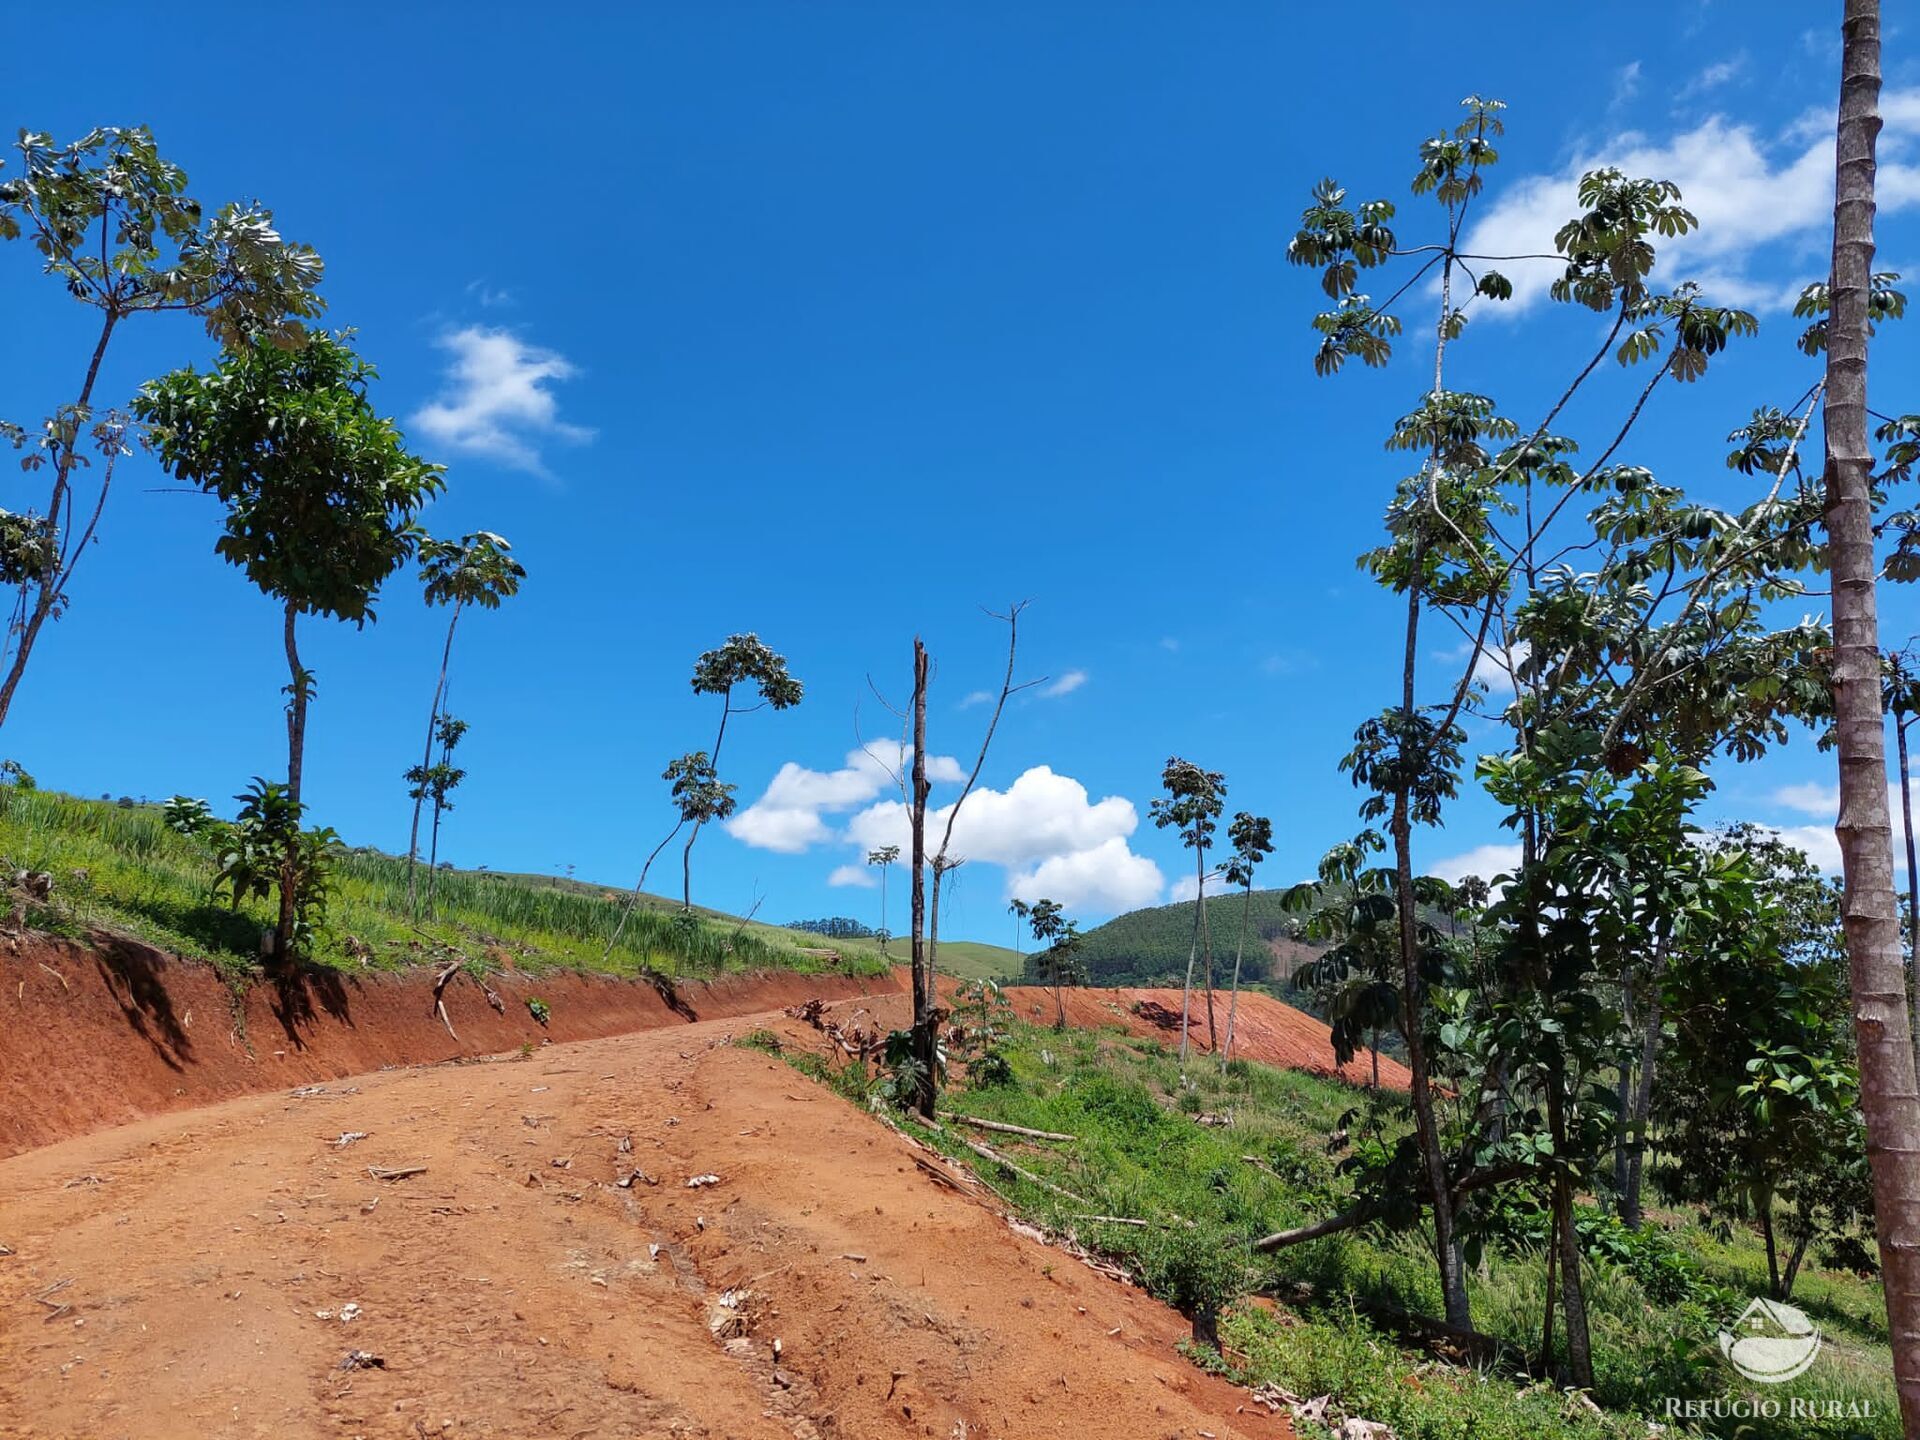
1756	194
1821	805
1045	831
791	816
856	877
497	400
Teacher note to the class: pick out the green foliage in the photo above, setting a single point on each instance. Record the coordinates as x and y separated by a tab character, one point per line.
763	1040
264	849
1149	947
538	1008
320	490
145	877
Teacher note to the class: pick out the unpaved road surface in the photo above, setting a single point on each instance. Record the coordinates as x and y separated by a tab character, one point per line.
190	1275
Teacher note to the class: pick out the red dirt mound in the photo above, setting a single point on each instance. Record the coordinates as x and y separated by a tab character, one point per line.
103	1035
1265	1029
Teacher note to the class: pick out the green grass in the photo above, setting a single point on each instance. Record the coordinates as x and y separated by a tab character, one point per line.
121	868
1140	1154
974	960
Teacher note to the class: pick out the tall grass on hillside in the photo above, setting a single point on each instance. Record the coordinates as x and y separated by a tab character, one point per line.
120	866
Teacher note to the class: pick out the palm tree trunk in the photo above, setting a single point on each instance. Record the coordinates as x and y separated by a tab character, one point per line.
426	756
1888	1093
1900	724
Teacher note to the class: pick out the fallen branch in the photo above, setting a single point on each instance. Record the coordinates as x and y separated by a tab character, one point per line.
404	1172
1006	1129
1114	1220
1368	1210
987	1152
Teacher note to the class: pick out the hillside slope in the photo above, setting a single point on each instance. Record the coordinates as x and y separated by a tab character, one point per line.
1146	947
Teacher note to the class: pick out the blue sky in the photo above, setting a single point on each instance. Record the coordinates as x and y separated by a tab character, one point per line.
839	322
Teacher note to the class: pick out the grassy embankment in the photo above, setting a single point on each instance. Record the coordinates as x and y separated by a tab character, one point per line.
120	867
1658	1298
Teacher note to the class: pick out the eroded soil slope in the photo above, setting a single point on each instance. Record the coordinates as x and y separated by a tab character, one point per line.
191	1275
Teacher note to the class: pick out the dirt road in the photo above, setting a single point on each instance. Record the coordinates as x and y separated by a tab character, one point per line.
209	1273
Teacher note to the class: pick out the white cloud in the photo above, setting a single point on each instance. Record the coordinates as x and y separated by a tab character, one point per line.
1107	878
1186	887
1750	192
976	697
1809	798
489	297
1486	861
1050	836
1714	76
1817	842
1626	82
1065	685
497	402
789	816
859	877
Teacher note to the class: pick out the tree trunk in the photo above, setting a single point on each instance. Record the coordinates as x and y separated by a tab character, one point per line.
1553	1298
1206	945
1623	1101
1453	1282
1642	1110
296	764
883	908
1765	1216
1193	954
1239	949
1900	724
426	757
1793	1266
433	859
53	578
1059	1003
923	1038
1881	1019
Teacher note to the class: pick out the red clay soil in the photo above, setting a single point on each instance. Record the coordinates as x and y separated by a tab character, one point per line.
192	1275
103	1035
1265	1029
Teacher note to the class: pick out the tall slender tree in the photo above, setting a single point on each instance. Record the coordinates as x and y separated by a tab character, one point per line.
478	569
883	857
113	223
1020	910
1889	1094
1252	839
321	494
437	782
1192	806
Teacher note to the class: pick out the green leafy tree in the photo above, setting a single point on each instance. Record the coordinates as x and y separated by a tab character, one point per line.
1252	839
1191	807
883	857
113	223
320	490
1019	910
478	569
1056	957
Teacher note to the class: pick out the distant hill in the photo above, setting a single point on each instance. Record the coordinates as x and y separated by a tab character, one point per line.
1149	947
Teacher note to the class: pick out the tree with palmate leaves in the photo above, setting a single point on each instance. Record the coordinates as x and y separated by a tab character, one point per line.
321	495
1661	641
1191	807
1252	839
1019	910
698	793
478	569
436	782
112	221
884	857
1056	956
1351	906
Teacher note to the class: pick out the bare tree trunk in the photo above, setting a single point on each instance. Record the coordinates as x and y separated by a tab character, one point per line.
296	764
59	567
883	908
1239	949
1193	954
1206	945
1882	1022
923	1047
1573	1295
1642	1110
426	756
433	860
1553	1298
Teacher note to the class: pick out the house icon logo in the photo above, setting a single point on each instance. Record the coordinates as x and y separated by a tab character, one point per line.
1771	1342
